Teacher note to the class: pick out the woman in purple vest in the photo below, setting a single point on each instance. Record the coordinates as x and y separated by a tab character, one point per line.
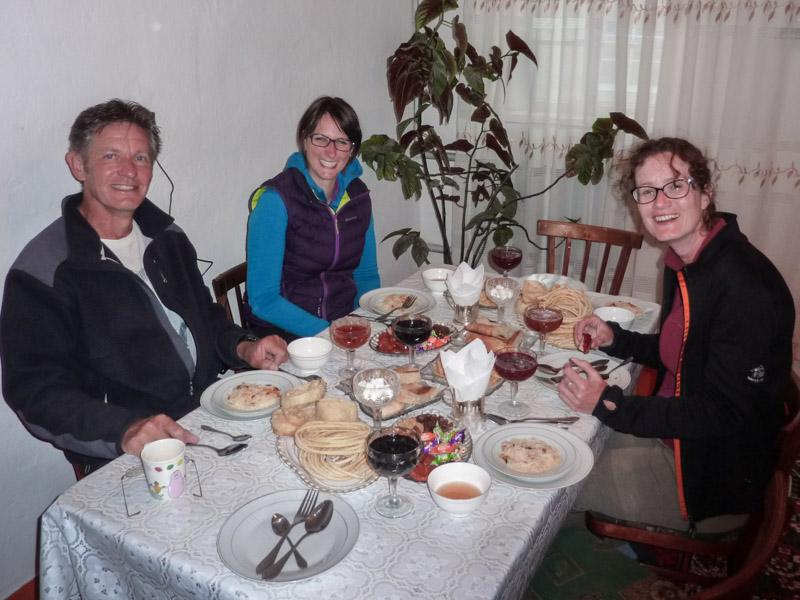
310	239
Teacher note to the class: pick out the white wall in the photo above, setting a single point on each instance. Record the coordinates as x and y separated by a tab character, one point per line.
228	80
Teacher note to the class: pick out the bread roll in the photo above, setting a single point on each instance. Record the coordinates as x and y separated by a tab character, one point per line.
408	374
416	393
486	326
285	421
308	393
337	409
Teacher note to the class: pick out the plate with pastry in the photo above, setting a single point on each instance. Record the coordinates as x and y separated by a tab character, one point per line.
382	300
442	334
328	452
247	396
415	393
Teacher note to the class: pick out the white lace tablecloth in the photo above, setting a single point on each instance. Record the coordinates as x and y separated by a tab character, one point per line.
90	548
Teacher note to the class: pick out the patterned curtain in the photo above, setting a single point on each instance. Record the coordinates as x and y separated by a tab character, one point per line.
725	75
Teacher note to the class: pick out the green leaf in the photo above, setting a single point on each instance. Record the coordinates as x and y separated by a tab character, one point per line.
474	79
403	231
496	127
429	10
469	95
628	125
502	235
459	35
495	59
518	45
480	114
403	243
461	145
419	251
478	219
491	142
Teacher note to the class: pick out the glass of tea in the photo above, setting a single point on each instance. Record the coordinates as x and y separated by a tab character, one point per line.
350	333
515	365
376	388
393	452
506	257
412	330
542	321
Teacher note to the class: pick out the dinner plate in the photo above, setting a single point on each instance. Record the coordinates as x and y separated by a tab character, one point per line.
287	451
246	536
620	377
344	386
551	279
582	465
373	344
372	301
549	435
215	397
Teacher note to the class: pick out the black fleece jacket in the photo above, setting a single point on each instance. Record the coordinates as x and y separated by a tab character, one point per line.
733	375
86	348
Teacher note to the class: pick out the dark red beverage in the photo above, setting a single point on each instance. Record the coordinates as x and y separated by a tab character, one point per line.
412	331
350	335
506	257
515	366
394	454
543	320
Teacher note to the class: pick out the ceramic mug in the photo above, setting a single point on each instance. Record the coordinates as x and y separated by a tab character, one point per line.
164	468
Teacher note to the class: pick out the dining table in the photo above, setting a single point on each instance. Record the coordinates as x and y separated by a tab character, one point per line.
105	537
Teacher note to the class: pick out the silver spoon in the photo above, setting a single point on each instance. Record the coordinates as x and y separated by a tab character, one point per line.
304	377
226	451
316	521
281	526
556	370
242	437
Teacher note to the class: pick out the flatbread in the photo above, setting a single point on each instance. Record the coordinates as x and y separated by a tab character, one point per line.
251	397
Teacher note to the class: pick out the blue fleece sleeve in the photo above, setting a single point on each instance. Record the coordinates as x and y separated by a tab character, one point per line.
266	239
366	274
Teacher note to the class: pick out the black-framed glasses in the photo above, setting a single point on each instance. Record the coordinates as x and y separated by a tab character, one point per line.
645	194
323	141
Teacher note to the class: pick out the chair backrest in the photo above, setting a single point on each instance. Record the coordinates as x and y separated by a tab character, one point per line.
232	279
626	240
775	513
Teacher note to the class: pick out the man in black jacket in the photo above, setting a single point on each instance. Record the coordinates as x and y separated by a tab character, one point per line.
108	333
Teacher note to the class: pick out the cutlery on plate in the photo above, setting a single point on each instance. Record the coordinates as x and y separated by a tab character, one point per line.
226	451
304	510
281	526
551	370
304	377
316	522
503	421
604	375
242	437
407	303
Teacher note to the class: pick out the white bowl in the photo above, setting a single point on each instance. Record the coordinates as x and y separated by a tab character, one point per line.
623	316
434	279
310	353
443	477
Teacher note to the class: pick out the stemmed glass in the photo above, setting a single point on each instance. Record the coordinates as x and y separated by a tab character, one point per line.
502	291
393	452
515	365
350	333
542	321
506	257
412	330
376	388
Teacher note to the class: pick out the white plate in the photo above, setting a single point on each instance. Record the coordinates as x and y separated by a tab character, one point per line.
551	435
246	536
287	451
582	465
371	301
620	377
215	397
551	279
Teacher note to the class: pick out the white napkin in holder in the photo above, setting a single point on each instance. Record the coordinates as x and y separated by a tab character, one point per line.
468	372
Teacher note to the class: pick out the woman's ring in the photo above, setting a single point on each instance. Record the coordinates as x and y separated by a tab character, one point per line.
570	384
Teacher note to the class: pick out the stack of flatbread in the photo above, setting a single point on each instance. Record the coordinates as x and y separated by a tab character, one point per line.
413	391
493	334
306	403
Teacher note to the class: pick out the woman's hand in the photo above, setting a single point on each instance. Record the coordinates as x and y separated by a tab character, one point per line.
597	330
580	394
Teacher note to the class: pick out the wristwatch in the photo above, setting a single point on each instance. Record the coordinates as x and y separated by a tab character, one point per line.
249	337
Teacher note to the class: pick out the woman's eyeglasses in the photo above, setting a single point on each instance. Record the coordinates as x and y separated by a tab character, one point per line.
323	141
646	194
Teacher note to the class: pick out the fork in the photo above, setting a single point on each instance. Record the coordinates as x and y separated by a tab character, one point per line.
559	378
407	303
557	420
306	506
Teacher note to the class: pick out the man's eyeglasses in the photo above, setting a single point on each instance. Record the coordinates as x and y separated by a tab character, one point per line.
323	141
646	194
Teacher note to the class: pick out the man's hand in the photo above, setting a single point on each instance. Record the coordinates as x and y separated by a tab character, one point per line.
151	429
599	331
267	353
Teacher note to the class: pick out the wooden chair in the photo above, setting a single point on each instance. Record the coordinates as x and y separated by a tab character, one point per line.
748	553
626	240
232	279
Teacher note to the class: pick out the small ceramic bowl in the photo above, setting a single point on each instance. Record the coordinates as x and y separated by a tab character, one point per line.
434	279
623	316
459	488
310	353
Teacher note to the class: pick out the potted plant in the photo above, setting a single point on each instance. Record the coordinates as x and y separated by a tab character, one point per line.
426	74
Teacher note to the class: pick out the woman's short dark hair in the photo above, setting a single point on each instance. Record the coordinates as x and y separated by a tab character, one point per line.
96	118
677	147
340	111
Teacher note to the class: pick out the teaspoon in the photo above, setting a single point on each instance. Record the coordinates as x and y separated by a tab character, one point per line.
316	521
236	438
281	526
226	451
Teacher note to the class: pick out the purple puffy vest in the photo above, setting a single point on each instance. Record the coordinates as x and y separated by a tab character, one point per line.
322	248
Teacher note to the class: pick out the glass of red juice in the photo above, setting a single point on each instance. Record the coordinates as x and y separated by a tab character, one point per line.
350	333
515	365
393	452
542	321
412	330
506	257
